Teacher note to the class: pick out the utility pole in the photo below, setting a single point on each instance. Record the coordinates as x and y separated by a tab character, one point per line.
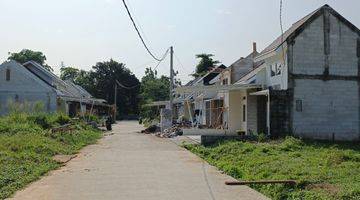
171	81
115	100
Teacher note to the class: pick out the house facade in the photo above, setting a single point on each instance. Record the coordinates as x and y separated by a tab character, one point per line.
306	83
19	85
30	83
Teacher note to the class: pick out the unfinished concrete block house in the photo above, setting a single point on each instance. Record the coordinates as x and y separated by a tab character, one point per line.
30	83
306	82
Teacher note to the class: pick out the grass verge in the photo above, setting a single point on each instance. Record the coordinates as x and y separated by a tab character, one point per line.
27	147
323	170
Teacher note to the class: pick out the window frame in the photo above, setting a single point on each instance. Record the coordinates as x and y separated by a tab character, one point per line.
244	112
7	74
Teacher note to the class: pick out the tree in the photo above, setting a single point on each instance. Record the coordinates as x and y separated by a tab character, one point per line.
100	82
153	88
205	64
69	73
84	79
26	55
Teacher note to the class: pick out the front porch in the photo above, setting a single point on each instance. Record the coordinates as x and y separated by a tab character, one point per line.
239	109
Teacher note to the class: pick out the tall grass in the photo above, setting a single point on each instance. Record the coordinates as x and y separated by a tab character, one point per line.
27	146
322	170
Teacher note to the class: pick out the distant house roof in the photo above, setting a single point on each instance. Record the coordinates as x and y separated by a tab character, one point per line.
243	66
208	76
211	74
190	83
81	91
66	89
298	26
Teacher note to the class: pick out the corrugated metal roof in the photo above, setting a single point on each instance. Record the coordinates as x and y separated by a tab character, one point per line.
64	89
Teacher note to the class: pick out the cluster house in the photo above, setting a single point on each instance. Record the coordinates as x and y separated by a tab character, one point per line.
306	83
30	83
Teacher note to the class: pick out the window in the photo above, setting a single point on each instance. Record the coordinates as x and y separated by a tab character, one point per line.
299	105
275	69
278	69
272	68
225	81
244	113
7	76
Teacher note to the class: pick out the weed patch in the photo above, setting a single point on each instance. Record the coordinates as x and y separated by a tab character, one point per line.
323	170
27	147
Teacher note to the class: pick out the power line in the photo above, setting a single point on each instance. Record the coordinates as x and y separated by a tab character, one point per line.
126	87
181	65
162	58
281	22
282	31
138	32
178	60
136	19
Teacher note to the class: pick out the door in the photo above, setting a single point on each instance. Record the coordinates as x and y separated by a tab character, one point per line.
243	114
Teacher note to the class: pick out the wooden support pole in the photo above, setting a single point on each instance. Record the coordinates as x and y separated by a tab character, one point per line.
291	182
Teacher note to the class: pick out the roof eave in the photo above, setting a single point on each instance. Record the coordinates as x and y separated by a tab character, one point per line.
265	55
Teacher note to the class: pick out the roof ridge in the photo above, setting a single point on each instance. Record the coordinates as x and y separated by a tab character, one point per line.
295	26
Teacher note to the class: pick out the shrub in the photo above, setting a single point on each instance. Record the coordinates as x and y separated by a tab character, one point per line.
42	121
262	137
62	119
291	144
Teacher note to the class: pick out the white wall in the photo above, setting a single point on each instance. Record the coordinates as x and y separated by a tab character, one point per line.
235	113
24	87
280	81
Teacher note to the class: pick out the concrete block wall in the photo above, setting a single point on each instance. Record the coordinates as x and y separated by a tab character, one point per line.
330	99
343	44
328	108
308	50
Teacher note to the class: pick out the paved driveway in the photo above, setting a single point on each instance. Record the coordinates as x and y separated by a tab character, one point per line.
132	166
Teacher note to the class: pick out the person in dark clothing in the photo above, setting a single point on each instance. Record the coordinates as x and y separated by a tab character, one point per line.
108	123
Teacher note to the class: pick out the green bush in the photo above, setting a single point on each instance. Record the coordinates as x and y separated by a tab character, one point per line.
62	119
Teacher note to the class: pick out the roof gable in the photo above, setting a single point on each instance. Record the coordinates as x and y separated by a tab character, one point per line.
25	78
300	25
62	88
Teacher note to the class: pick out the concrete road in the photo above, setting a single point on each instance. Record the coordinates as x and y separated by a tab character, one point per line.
132	166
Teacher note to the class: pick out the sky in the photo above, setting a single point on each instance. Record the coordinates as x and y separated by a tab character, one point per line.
83	32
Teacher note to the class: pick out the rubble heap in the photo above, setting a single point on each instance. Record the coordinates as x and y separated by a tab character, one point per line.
174	131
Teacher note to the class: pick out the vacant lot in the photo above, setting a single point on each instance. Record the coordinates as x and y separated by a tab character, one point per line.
323	170
27	147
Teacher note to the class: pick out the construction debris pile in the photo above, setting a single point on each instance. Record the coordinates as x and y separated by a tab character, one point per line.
171	132
151	129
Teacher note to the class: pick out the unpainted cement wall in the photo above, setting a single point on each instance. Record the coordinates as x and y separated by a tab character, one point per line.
325	76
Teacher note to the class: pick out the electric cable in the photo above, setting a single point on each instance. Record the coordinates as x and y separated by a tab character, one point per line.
138	33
